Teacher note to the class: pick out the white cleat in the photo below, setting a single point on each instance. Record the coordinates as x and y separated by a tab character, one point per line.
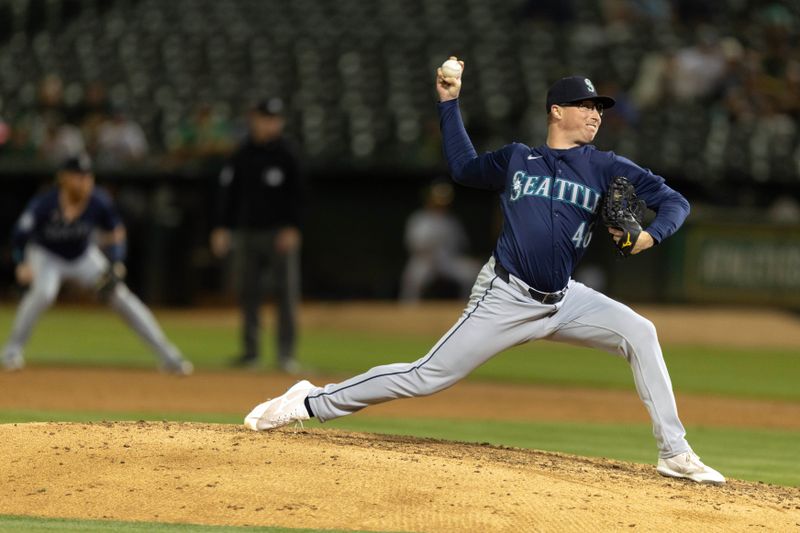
689	466
13	362
280	411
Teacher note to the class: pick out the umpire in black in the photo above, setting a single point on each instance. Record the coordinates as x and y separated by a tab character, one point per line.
259	215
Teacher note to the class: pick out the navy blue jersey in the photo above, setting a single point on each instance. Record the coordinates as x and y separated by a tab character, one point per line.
550	198
42	222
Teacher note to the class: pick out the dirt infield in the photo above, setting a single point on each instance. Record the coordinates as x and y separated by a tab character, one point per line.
216	474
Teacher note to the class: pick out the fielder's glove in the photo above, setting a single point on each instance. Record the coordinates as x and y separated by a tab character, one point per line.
622	210
114	274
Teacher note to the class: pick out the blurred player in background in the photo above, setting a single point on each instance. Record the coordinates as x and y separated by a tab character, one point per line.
53	241
436	242
259	216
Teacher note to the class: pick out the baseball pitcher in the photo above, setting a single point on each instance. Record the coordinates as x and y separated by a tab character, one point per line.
551	197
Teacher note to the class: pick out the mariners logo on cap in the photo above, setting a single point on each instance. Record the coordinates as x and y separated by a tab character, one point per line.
589	85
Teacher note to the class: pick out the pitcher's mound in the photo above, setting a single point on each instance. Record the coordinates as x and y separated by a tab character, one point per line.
227	475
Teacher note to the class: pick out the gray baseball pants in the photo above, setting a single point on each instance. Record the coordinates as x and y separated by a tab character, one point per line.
255	255
50	270
500	315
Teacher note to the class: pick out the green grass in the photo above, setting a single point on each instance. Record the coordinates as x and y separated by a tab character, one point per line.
36	525
753	454
104	340
94	336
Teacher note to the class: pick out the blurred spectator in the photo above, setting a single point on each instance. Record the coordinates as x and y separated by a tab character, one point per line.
436	242
92	113
259	198
120	140
60	141
696	72
95	101
651	78
41	131
51	97
204	135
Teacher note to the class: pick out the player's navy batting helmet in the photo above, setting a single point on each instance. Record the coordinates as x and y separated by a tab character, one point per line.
575	89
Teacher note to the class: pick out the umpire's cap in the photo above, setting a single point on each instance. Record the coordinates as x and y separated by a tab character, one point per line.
270	107
80	163
575	89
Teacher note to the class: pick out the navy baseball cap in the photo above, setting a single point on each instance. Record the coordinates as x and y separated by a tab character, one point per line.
575	89
270	107
81	163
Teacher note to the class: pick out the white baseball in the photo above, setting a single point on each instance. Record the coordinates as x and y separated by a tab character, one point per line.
451	69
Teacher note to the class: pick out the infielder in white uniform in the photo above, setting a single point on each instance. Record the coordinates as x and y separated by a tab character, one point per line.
436	243
549	196
53	242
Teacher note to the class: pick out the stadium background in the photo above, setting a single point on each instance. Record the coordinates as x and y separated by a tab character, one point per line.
709	97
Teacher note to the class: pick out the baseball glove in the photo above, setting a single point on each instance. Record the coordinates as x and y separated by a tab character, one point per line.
114	274
624	211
